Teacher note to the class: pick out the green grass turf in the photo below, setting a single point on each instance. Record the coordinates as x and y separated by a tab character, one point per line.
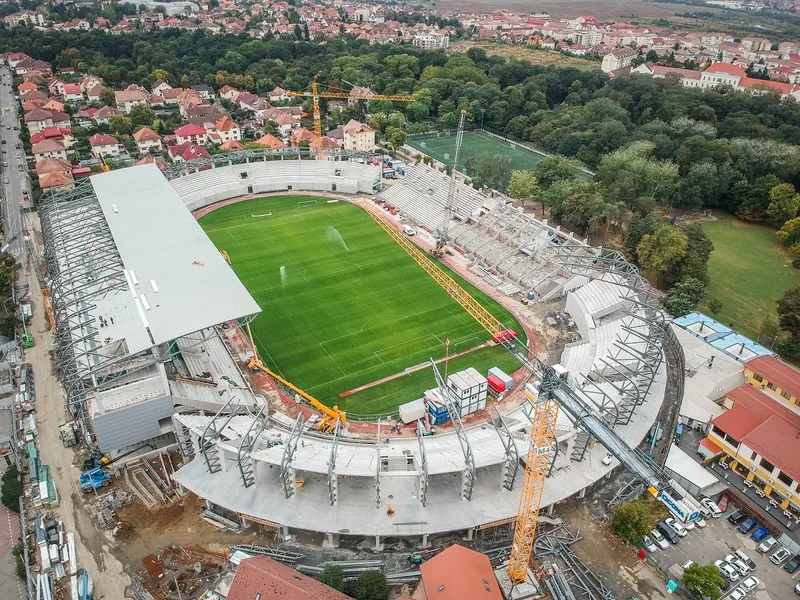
343	305
748	271
479	142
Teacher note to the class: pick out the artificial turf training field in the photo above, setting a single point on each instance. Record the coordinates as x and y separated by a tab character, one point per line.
479	142
343	305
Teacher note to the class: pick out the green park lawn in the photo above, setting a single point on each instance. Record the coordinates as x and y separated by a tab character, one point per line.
343	305
748	271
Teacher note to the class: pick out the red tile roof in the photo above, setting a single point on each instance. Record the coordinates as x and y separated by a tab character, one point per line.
778	372
261	577
459	573
99	139
72	88
189	129
765	426
729	69
711	446
145	134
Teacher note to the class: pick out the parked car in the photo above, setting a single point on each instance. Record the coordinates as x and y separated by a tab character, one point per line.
711	507
659	539
737	594
737	564
648	544
678	527
727	571
780	555
747	525
687	564
668	532
797	588
767	545
759	534
723	503
701	522
737	517
741	555
792	564
750	584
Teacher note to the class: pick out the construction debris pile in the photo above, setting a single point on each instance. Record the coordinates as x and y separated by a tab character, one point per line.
103	509
179	573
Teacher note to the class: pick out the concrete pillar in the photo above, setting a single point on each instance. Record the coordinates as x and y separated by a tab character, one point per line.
785	504
284	531
734	464
470	534
751	476
582	493
378	545
425	542
222	462
208	505
768	490
550	510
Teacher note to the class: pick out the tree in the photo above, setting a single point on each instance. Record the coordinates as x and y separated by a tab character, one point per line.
789	311
395	137
633	520
714	306
682	298
553	168
661	251
141	114
768	331
633	176
523	186
642	224
11	489
695	261
120	125
107	97
371	585
704	581
333	577
783	202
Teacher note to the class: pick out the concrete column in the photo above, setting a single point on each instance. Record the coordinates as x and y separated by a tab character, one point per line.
768	490
208	505
470	534
550	510
582	493
284	530
785	504
751	476
222	462
734	464
425	542
378	545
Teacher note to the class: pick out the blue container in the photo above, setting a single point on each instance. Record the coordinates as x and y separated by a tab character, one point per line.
438	413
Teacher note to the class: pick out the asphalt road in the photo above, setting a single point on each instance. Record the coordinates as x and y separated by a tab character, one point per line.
17	180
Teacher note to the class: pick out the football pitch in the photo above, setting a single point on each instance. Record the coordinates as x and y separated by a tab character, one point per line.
343	305
479	142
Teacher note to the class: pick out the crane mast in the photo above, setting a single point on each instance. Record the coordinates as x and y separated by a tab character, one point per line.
441	234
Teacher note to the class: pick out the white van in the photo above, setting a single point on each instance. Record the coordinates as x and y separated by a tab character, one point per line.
409	231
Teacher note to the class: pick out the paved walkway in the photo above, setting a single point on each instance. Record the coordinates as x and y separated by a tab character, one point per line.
11	586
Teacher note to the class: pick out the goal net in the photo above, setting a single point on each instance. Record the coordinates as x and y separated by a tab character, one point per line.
306	203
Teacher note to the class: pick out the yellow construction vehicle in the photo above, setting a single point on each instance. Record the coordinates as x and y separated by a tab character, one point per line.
328	416
315	95
225	256
103	163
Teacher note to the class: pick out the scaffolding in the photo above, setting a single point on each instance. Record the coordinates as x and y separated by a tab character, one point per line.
244	457
288	476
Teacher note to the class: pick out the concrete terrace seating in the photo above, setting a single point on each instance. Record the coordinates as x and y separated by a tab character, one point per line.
201	188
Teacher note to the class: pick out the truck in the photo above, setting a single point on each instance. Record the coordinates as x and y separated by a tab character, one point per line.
95	479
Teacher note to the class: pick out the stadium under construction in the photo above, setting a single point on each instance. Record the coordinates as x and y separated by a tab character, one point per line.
150	318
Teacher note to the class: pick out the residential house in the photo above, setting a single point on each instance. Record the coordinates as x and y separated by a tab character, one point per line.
261	577
171	95
357	136
186	151
277	95
90	81
147	140
26	86
229	93
286	125
359	94
48	149
53	165
72	92
53	105
56	87
617	59
129	97
59	134
160	86
301	136
155	101
226	130
455	574
231	146
270	141
56	181
37	119
104	113
191	133
206	92
104	144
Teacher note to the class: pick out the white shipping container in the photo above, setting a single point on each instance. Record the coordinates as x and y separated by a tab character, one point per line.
54	556
44	556
480	380
411	411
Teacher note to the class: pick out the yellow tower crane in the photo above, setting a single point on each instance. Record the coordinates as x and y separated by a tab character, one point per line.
315	95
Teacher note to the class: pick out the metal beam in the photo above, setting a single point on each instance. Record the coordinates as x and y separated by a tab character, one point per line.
333	482
511	465
244	457
468	476
208	445
288	479
423	470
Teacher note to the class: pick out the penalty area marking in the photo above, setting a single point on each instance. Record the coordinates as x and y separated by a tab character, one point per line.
269	214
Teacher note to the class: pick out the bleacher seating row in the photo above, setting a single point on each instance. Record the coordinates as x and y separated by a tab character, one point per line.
201	188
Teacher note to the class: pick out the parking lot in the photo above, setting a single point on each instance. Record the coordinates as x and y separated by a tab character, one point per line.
719	538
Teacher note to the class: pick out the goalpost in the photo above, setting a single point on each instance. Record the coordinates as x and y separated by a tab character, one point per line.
306	203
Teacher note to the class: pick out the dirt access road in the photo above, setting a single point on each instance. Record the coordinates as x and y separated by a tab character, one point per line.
110	580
